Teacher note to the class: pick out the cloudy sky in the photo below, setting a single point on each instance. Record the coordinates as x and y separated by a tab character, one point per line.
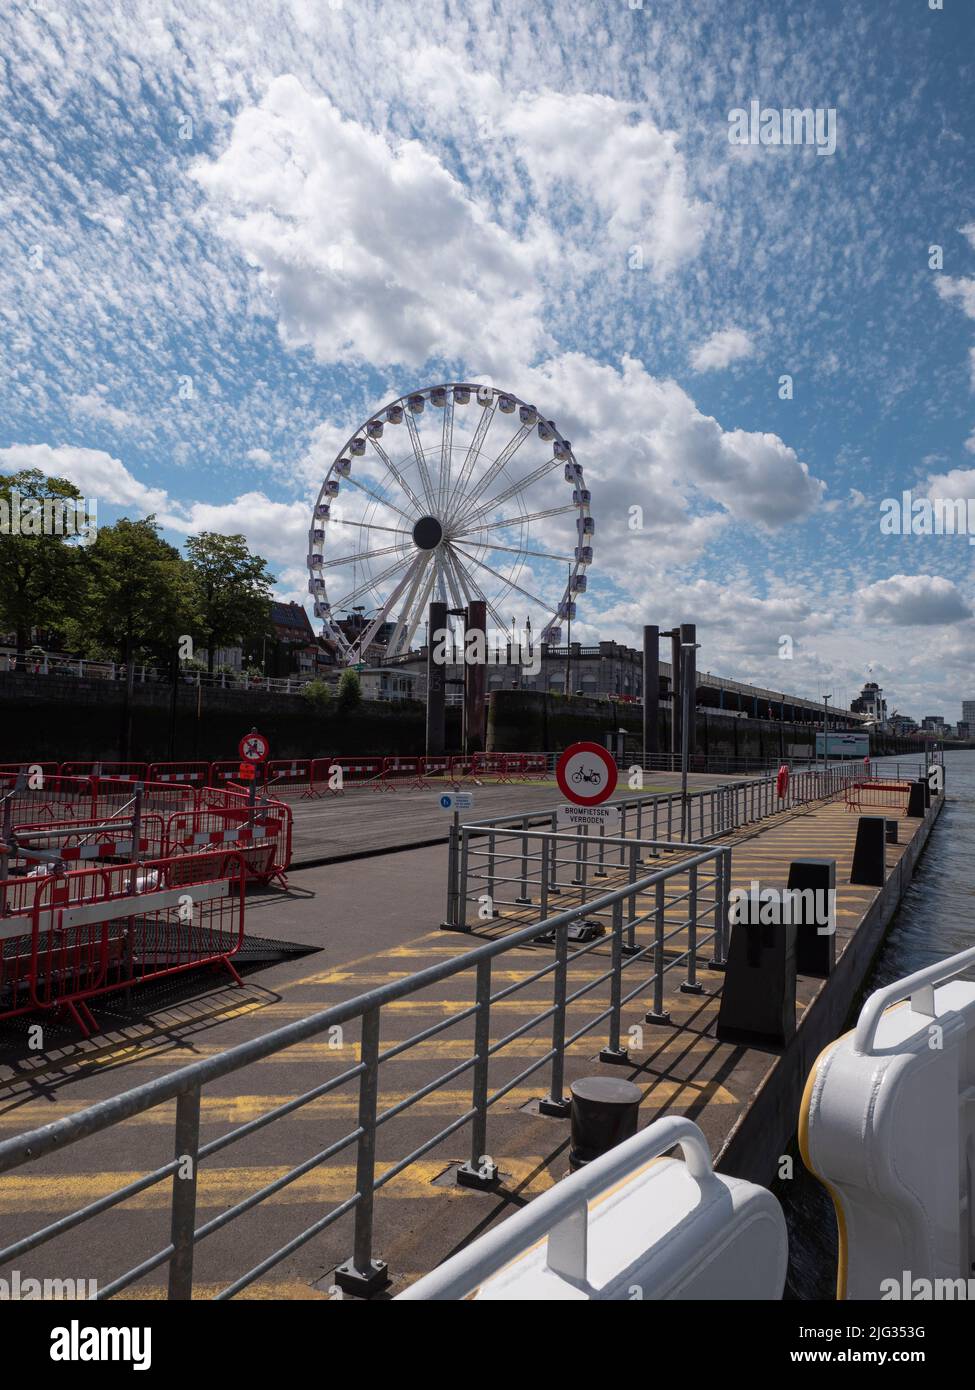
231	233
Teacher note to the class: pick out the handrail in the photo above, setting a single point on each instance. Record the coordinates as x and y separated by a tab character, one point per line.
59	1133
562	1213
920	984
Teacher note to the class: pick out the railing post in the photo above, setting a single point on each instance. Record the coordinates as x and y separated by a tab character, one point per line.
631	946
481	1171
492	835
182	1224
451	920
716	961
553	883
690	985
363	1275
600	870
658	1014
613	1052
462	883
555	1103
524	896
623	832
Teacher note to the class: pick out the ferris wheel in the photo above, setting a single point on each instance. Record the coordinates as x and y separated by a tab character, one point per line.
449	493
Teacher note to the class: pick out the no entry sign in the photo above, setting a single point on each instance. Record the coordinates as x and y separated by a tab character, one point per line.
586	774
253	747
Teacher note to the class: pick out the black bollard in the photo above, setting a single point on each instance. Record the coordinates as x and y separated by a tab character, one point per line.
891	832
815	945
870	852
917	803
758	998
604	1112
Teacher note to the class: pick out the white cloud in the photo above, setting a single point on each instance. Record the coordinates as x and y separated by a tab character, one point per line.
721	349
94	406
968	231
913	600
373	250
278	530
98	475
960	482
958	289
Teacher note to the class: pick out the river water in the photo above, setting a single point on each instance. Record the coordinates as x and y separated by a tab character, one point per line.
936	919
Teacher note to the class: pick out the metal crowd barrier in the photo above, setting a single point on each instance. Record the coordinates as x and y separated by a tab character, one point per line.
658	923
864	794
83	934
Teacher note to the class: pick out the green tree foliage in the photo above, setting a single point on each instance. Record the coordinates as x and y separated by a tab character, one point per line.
139	598
232	591
350	691
318	693
39	573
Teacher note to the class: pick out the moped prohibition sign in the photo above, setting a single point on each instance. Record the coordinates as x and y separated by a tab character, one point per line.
586	774
253	747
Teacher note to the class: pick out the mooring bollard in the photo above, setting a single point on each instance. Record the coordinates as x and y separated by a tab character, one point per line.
758	1000
604	1112
870	852
815	939
892	832
917	802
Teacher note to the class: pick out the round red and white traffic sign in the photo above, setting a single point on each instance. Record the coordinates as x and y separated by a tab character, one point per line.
253	747
586	774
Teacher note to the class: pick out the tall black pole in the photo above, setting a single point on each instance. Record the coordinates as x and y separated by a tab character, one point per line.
651	691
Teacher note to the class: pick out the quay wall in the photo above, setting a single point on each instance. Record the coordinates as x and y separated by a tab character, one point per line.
767	1128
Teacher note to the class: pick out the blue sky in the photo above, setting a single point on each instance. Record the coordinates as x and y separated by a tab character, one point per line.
229	235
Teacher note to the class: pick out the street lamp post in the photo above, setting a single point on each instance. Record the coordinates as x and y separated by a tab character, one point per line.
826	700
685	653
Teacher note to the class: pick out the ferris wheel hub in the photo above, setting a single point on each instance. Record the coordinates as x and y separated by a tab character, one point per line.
427	533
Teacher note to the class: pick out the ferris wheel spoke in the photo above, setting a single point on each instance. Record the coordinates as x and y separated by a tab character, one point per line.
505	580
410	606
469	582
519	550
446	444
365	638
362	555
369	525
418	612
421	462
451	576
383	501
497	467
474	451
514	520
390	465
371	583
521	486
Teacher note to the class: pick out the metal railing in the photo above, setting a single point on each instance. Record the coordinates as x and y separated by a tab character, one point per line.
661	921
661	823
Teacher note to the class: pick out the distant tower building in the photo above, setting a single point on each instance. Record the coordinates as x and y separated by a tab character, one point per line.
871	702
968	712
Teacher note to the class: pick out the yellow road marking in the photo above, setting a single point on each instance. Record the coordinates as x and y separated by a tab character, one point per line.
222	1187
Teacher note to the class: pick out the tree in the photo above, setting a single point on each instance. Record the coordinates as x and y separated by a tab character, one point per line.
139	599
318	693
350	691
139	602
39	569
232	588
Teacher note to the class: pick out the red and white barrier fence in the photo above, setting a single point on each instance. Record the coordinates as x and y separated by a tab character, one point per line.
69	938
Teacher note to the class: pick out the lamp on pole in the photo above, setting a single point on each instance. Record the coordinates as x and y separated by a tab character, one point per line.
686	648
826	700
